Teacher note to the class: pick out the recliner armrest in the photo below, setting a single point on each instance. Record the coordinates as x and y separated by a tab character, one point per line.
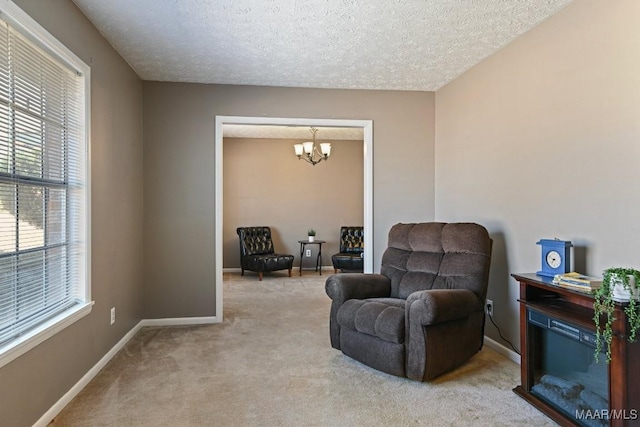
442	305
346	286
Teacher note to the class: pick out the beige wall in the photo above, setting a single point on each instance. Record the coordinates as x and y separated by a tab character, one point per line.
179	127
542	140
266	184
33	383
539	140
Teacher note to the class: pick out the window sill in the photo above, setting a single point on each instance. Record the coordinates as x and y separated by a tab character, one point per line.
21	345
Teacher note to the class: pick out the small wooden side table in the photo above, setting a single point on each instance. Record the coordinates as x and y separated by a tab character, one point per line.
303	245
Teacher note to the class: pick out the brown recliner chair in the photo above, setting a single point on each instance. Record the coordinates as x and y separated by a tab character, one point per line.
423	315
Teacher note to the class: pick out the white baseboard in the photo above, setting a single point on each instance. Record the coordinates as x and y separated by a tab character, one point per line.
48	416
499	348
179	321
77	388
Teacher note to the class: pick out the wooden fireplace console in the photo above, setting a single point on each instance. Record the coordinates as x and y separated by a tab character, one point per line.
577	307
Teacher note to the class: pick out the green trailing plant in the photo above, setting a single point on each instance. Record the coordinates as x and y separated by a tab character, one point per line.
604	308
311	232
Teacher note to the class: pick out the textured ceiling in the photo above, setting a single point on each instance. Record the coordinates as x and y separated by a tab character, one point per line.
354	44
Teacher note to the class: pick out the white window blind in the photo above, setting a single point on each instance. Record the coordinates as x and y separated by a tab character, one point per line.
42	185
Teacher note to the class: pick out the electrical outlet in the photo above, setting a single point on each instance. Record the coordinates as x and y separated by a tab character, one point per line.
308	253
113	315
490	307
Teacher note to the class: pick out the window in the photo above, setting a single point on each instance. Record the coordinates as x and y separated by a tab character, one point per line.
43	185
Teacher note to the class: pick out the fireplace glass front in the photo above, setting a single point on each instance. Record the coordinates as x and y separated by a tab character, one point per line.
565	373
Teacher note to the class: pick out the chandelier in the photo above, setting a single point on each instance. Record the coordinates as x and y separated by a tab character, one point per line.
309	152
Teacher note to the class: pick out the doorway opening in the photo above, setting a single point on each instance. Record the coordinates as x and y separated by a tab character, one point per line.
367	129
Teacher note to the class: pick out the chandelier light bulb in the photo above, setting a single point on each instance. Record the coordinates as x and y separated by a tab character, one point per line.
308	151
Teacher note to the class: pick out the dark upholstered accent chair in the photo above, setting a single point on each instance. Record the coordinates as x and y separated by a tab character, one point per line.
351	253
423	315
257	253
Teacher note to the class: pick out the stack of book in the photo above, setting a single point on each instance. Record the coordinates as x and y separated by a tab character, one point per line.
577	281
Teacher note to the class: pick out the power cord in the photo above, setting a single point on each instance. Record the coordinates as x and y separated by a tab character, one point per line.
500	333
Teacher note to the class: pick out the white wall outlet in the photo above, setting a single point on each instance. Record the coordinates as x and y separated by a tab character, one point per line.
308	253
113	315
490	307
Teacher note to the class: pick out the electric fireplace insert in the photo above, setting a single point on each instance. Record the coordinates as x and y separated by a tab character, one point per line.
565	373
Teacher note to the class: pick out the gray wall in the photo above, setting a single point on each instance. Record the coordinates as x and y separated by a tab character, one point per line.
539	140
542	140
34	382
179	128
266	184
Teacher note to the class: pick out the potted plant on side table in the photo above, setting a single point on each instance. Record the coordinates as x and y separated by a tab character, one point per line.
311	234
618	285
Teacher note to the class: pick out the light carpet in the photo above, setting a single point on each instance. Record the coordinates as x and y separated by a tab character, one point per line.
270	364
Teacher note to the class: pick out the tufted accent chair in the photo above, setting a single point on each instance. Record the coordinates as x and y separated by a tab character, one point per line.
257	253
423	315
350	257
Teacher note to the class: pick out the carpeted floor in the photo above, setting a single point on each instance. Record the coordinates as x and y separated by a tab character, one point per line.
270	364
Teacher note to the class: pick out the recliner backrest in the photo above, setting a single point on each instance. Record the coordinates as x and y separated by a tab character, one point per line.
351	239
437	255
255	240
